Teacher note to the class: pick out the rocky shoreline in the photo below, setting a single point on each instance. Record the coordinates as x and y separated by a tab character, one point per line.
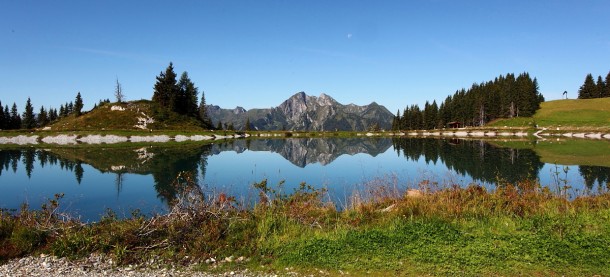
97	265
64	139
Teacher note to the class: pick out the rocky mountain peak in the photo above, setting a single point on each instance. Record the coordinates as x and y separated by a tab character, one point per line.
304	112
239	110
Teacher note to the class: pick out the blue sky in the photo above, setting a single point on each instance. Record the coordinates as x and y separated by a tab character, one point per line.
256	54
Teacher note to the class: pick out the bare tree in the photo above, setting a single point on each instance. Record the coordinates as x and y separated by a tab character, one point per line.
118	92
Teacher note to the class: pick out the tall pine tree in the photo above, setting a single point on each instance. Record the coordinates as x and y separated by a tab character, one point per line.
2	118
187	96
28	122
78	105
606	92
601	86
43	118
165	89
203	113
7	118
15	121
588	89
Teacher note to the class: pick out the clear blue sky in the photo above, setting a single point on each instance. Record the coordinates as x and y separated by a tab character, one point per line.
256	54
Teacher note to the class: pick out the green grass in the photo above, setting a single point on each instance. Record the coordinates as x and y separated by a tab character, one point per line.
103	118
572	114
511	231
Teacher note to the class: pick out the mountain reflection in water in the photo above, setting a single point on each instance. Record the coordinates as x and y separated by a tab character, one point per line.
480	161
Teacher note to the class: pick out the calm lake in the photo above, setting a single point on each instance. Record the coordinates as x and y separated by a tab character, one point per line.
94	179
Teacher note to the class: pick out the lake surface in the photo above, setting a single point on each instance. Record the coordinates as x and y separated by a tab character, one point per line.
94	179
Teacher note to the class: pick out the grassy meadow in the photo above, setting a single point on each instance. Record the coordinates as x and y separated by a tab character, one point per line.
521	229
569	114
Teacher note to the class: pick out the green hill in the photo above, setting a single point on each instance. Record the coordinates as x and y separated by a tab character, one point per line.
135	115
571	114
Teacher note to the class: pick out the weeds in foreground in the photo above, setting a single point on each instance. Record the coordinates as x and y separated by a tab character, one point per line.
511	230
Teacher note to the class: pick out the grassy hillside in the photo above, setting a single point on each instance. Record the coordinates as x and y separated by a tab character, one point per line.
574	114
105	118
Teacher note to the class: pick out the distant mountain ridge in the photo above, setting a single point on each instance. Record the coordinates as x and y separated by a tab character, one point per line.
302	112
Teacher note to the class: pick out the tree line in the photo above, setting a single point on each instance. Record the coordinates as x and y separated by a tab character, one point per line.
179	96
13	120
504	97
591	89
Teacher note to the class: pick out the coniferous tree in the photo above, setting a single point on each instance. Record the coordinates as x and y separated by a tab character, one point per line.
3	117
165	88
62	111
588	89
7	118
203	112
15	122
186	100
43	118
600	87
396	121
606	92
505	96
53	116
78	105
219	125
29	121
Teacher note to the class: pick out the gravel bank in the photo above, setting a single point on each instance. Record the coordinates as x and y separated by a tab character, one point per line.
95	265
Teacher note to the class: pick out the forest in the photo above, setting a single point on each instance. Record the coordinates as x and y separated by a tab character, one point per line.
504	97
171	96
590	89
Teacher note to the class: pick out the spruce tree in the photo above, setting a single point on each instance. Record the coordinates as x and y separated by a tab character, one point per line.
69	108
7	118
606	92
588	89
78	105
203	113
43	118
53	115
15	122
2	118
165	88
186	100
28	122
601	86
219	125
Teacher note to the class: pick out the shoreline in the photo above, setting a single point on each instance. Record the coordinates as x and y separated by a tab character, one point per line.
93	139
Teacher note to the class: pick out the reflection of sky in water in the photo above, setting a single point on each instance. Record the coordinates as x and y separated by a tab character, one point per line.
89	199
233	173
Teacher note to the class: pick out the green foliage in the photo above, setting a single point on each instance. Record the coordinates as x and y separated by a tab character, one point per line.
520	229
78	105
15	118
29	121
504	97
165	88
3	118
43	117
589	89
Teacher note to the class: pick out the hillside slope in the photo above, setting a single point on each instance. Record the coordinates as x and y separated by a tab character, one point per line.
135	115
566	114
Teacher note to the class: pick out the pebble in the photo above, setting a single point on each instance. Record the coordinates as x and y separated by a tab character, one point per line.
97	265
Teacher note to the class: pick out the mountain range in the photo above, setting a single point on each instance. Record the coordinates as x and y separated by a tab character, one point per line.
302	112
